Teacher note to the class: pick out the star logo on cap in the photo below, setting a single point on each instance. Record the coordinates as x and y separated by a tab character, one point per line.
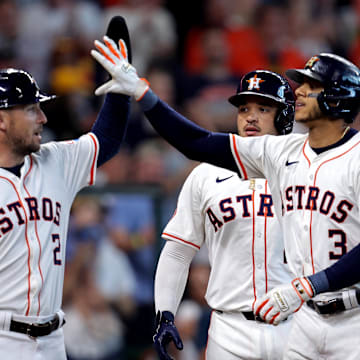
254	83
311	62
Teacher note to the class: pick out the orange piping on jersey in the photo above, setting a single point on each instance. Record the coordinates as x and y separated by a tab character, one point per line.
37	237
27	242
316	173
311	247
238	157
253	246
303	151
265	243
175	237
92	171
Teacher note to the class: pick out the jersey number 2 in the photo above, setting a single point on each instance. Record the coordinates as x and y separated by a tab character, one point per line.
56	252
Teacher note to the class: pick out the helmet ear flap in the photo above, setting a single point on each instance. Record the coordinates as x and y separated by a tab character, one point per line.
336	106
284	120
324	106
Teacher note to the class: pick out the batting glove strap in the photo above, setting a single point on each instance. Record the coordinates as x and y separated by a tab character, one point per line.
141	89
166	332
303	288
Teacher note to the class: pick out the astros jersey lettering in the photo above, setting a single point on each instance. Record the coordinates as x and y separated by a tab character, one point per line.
236	220
322	215
34	216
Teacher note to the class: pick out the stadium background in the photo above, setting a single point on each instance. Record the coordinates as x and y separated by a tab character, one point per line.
193	53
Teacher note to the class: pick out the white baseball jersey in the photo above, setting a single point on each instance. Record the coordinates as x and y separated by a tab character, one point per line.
34	215
317	196
236	220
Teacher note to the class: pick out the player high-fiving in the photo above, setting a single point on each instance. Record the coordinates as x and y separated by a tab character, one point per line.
314	180
38	185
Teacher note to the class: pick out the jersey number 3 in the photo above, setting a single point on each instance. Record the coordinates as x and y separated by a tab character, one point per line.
339	243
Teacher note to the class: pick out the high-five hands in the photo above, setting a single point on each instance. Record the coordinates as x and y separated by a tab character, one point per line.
276	305
124	78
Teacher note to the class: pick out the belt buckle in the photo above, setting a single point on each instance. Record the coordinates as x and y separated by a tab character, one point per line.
28	331
327	306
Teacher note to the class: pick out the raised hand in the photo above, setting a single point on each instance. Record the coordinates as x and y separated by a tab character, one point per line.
124	78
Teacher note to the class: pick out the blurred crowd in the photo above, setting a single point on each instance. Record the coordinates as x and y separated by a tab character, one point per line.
193	53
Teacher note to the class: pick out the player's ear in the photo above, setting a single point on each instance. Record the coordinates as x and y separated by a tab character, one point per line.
4	119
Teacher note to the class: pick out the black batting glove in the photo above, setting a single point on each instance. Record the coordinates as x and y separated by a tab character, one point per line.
166	332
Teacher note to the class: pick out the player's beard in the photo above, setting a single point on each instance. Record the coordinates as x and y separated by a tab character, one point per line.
22	145
314	114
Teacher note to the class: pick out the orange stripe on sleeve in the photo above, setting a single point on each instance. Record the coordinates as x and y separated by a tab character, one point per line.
93	166
182	240
243	171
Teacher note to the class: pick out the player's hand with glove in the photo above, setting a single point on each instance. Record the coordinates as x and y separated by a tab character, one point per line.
276	305
166	332
124	78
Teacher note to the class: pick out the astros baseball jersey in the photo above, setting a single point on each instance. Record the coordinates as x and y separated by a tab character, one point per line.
34	215
236	220
316	196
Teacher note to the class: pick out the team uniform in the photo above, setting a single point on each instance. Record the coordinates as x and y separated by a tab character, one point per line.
316	197
39	184
320	207
316	193
36	199
237	222
34	223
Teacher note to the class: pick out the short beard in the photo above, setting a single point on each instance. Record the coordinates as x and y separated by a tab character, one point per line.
315	114
21	148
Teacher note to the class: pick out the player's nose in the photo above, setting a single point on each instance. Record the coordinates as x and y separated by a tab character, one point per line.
301	90
42	119
252	117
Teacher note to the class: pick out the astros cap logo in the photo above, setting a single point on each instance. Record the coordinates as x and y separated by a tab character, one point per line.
254	83
311	62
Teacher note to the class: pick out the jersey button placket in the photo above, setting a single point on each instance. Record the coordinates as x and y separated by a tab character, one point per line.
307	227
34	257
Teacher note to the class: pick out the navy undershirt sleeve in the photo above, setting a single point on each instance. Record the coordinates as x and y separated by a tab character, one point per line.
214	148
193	141
345	272
110	125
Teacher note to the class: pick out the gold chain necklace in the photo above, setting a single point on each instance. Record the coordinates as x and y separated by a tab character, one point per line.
345	131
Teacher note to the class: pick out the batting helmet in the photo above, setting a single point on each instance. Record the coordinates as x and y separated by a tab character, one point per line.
18	87
341	81
272	86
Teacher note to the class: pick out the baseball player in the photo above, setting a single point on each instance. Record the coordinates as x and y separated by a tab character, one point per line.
314	180
236	221
38	185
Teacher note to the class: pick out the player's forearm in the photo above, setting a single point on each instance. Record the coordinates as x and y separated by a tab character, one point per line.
110	125
193	141
345	272
171	275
